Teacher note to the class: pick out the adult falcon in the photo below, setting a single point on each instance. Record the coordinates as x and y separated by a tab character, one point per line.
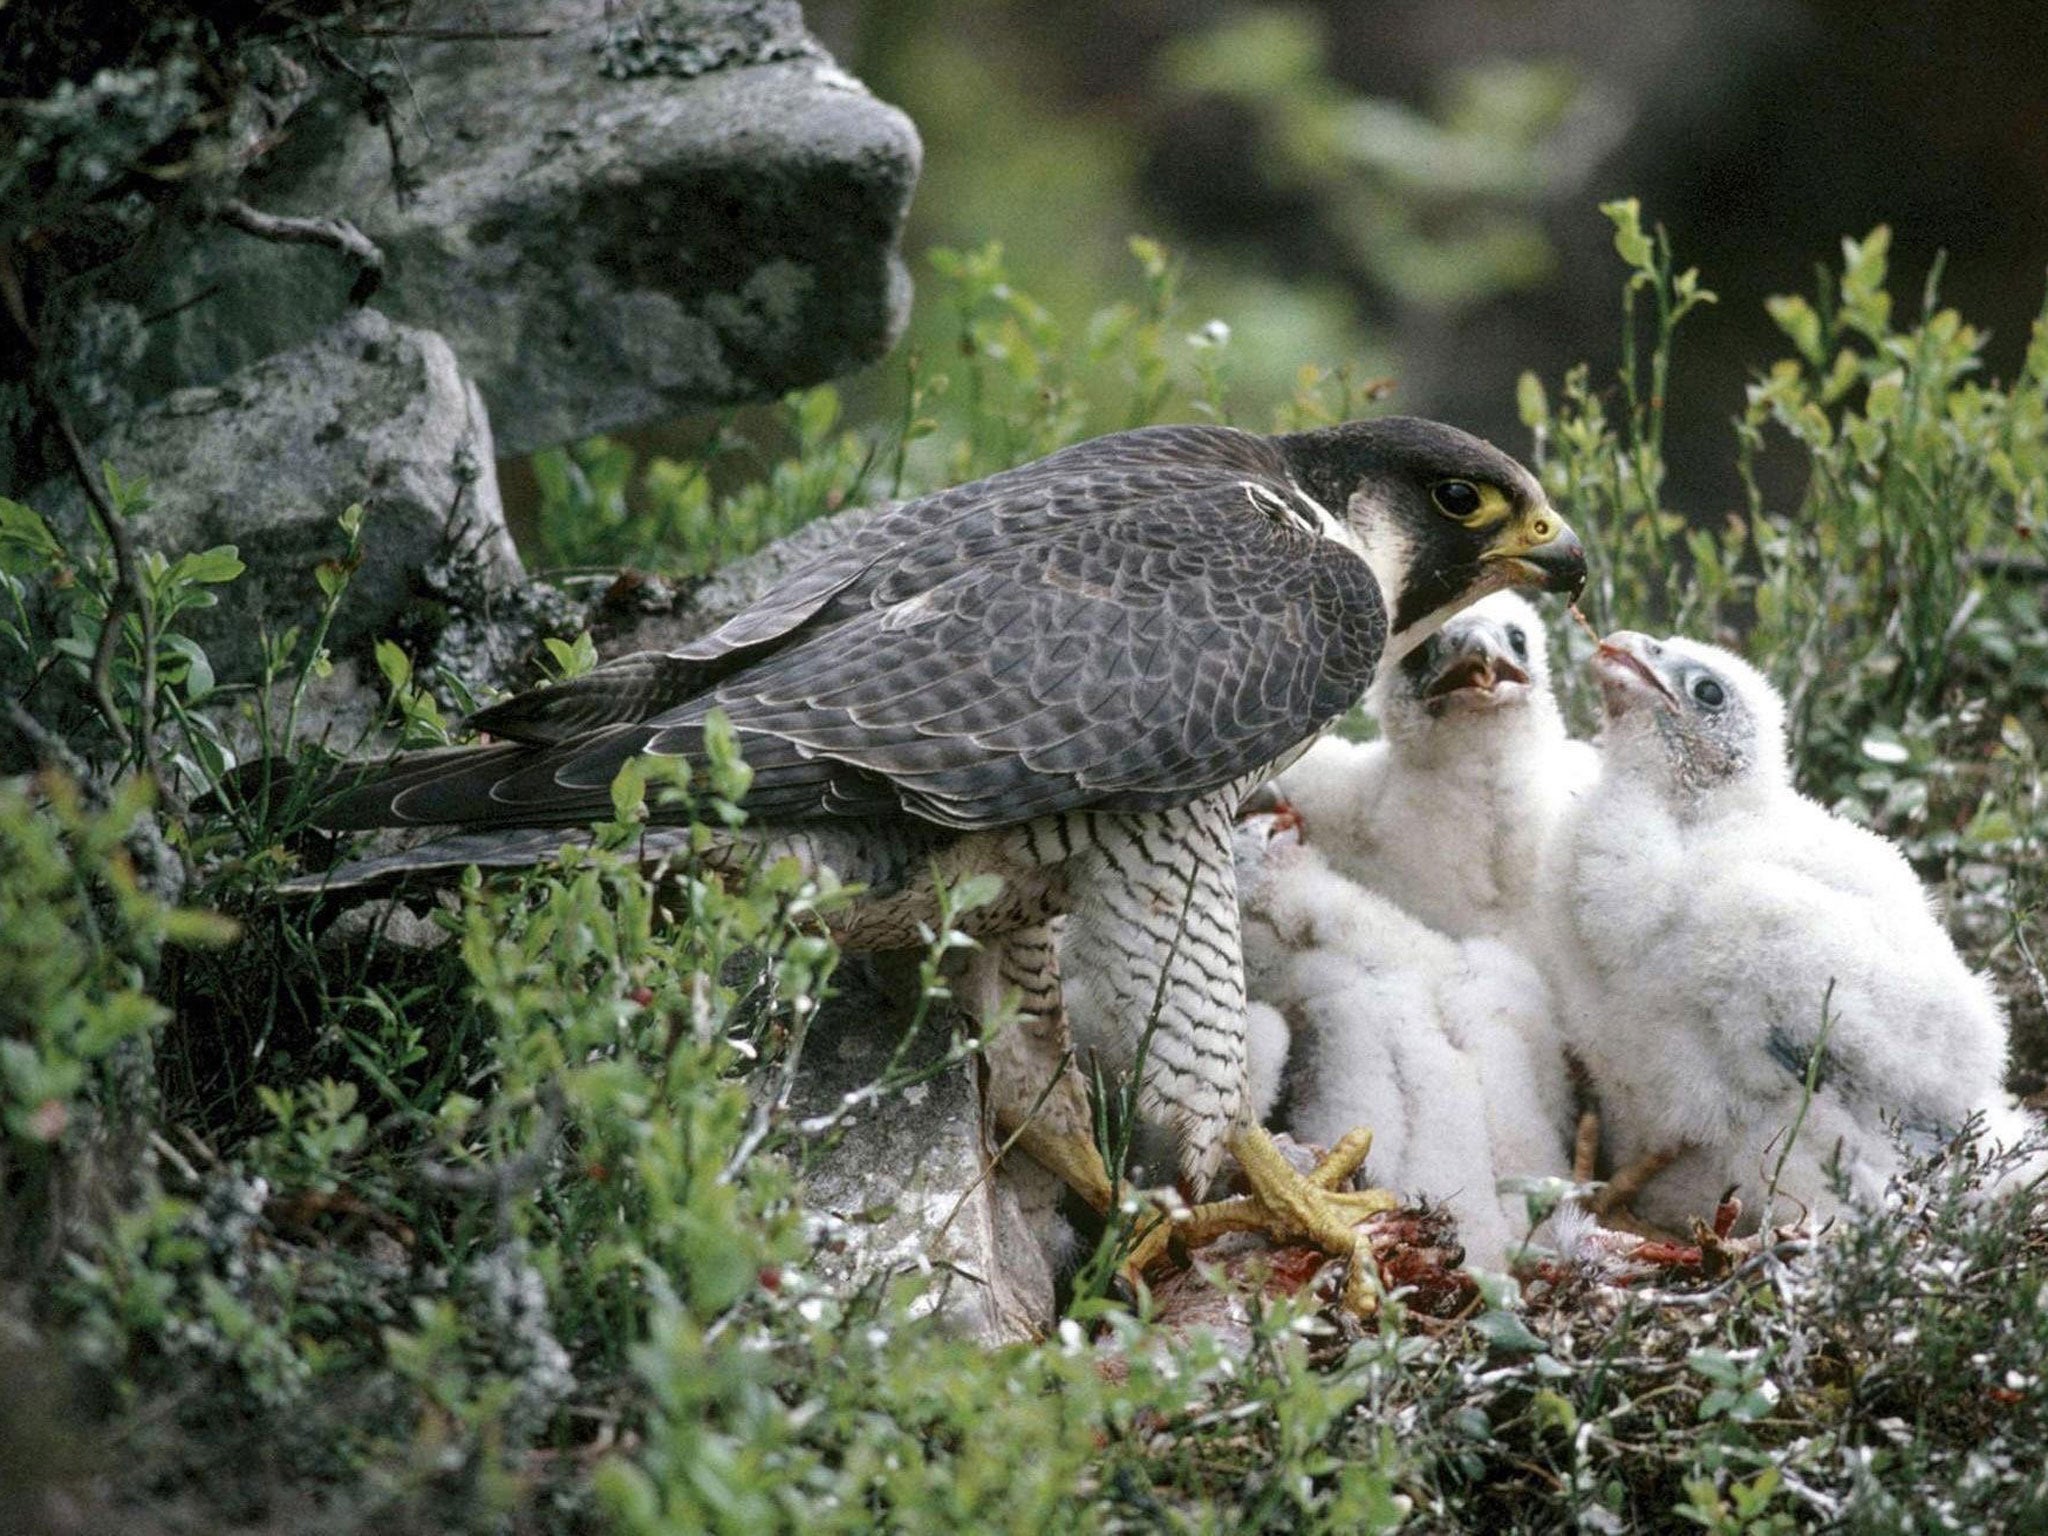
1068	675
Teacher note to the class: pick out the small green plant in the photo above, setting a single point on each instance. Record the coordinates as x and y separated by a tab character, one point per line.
1895	601
143	666
78	1020
686	516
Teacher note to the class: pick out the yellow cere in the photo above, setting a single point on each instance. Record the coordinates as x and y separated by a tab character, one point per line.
1538	526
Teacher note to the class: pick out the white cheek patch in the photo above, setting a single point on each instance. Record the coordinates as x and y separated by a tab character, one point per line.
1388	550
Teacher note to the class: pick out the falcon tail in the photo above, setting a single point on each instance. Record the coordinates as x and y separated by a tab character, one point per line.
629	689
432	862
505	784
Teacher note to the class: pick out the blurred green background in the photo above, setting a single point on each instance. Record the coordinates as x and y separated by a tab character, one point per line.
1409	187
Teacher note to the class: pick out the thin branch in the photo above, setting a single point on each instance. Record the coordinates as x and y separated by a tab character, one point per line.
452	34
505	1181
1998	562
49	749
336	234
158	316
127	596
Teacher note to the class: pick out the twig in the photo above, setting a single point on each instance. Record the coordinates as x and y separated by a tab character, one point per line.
995	1160
1992	562
377	108
2034	971
453	34
517	1174
336	234
178	307
126	597
49	748
1809	1086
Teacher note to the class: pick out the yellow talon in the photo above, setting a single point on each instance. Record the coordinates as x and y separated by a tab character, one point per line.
1287	1206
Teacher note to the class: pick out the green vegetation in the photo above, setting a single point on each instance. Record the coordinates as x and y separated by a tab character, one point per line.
1890	587
343	1229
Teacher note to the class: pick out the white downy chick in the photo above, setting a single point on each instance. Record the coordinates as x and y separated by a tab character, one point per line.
1709	923
1442	1047
1447	812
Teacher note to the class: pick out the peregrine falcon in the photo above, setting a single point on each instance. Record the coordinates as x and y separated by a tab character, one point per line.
1067	674
1720	941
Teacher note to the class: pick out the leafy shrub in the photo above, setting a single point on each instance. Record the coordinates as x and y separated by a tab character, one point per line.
508	1236
1896	601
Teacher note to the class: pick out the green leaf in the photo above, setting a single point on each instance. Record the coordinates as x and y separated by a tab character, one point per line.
23	527
729	773
1152	256
210	566
394	664
1864	262
198	675
1471	1422
1798	320
1506	1331
975	891
1633	245
200	928
1531	401
572	658
1552	1410
1716	1366
817	412
629	791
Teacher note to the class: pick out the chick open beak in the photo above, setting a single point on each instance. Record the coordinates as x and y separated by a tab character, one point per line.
1478	670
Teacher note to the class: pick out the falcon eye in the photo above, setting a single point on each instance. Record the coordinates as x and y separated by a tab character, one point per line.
1518	642
1460	498
1709	693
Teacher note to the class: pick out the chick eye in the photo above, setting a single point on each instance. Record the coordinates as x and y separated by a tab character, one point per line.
1709	693
1460	498
1518	643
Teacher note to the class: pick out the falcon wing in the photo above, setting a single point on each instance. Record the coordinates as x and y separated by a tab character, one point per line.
895	555
1126	649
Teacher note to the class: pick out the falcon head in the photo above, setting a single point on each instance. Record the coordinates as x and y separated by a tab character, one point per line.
1441	516
1491	659
1688	717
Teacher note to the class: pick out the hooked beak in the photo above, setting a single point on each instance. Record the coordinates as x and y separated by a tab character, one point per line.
1556	565
1539	549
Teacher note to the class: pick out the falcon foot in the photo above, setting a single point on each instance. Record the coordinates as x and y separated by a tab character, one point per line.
1287	1206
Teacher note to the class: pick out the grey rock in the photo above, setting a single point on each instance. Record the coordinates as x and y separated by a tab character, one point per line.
651	615
909	1188
268	459
650	210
